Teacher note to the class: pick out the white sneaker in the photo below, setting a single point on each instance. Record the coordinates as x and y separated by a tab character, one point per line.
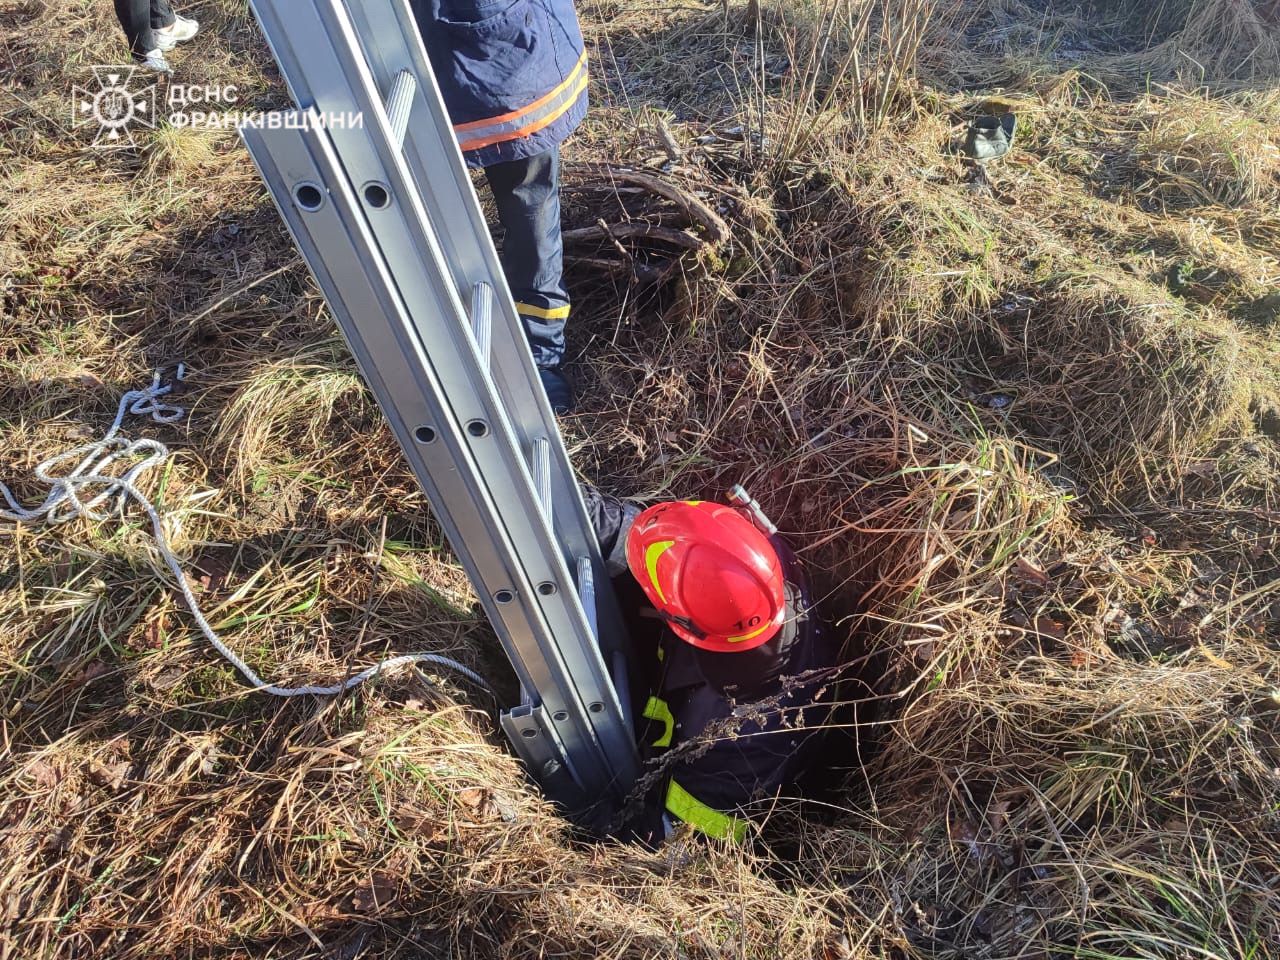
180	31
154	60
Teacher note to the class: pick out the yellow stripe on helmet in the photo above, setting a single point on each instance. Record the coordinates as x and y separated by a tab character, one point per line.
749	636
651	555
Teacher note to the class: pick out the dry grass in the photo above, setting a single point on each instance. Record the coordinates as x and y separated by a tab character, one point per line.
1027	440
1197	151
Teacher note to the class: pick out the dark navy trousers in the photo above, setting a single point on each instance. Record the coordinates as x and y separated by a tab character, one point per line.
139	18
527	194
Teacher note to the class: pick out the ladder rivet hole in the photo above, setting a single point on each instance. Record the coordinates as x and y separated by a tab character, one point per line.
504	596
424	434
560	716
529	733
377	195
596	707
547	589
478	428
308	196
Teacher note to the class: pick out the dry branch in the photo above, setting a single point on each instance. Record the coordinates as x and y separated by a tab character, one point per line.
697	210
633	231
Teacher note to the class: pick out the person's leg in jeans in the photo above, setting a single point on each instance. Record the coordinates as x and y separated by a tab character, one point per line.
138	18
162	14
527	193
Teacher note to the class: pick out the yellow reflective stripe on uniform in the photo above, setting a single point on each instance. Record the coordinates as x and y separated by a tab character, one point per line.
651	555
542	313
657	709
681	803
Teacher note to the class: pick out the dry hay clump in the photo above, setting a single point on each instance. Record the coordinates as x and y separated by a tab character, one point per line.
1087	756
1220	42
1024	314
1016	460
330	830
1193	151
1089	801
1228	39
1087	753
1121	384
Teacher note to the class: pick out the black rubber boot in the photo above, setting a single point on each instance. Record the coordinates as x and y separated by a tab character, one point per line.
559	390
989	138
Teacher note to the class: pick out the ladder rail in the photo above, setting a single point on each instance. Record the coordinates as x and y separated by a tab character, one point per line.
387	253
352	273
381	37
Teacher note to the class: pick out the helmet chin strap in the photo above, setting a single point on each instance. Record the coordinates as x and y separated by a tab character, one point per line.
653	613
684	623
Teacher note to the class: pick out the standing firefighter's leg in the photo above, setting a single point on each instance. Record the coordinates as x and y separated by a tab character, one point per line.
135	20
162	15
527	193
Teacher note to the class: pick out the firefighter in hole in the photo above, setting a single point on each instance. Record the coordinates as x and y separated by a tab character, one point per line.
736	664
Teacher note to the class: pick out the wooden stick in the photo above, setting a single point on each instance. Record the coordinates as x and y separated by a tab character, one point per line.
243	288
646	231
669	144
643	273
617	245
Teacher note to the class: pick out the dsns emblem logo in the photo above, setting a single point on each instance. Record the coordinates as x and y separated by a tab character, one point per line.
114	108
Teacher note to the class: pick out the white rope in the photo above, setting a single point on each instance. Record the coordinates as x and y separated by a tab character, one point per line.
69	497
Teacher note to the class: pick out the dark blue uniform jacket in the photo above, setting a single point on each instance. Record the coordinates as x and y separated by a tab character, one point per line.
513	73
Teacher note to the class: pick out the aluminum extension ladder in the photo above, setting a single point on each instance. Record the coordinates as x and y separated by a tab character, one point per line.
385	215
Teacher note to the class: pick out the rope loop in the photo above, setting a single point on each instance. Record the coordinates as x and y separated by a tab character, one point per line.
91	489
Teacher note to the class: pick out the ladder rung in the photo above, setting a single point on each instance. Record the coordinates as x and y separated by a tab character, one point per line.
587	591
540	467
482	320
400	102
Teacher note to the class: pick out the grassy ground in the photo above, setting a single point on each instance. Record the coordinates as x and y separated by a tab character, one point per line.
1026	436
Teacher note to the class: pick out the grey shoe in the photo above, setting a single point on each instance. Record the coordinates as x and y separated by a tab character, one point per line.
154	60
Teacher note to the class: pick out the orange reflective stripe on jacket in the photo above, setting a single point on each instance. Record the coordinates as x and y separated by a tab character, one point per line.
527	120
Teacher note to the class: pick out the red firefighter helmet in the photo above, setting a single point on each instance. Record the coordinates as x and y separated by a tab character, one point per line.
714	578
